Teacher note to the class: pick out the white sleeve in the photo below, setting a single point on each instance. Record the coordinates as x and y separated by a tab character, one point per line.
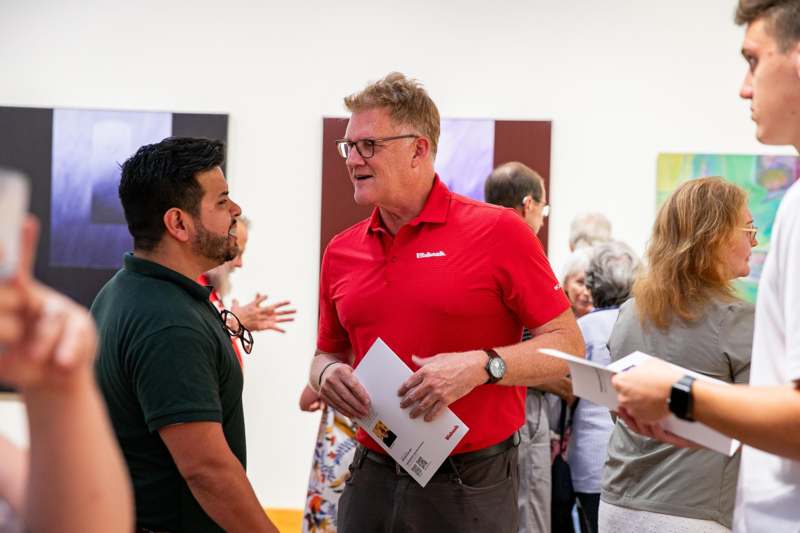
787	236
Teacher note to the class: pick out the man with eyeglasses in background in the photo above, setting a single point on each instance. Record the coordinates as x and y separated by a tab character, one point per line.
765	416
448	283
519	187
166	365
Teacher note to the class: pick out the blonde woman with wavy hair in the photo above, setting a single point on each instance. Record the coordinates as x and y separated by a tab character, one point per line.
683	311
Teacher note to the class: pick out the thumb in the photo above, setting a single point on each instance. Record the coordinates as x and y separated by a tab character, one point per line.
421	361
234	303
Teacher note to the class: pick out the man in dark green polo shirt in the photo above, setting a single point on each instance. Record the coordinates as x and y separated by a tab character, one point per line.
166	366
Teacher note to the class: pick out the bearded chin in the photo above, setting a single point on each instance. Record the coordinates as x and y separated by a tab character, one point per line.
230	253
215	248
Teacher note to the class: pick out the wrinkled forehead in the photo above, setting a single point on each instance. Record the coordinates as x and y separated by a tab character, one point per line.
372	122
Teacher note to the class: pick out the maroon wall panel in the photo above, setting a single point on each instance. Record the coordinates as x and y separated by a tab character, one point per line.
527	142
339	210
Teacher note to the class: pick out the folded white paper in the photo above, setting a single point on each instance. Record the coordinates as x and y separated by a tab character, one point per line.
419	447
592	381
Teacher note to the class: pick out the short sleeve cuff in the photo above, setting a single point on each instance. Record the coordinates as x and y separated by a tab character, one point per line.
547	312
331	346
159	422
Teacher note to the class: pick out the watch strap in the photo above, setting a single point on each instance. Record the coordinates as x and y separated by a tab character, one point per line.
492	355
681	402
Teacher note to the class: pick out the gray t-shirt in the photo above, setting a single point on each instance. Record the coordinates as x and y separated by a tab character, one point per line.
648	475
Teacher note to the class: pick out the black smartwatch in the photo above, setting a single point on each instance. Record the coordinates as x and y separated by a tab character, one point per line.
680	398
496	367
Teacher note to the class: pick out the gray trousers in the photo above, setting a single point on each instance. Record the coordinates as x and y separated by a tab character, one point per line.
534	466
480	497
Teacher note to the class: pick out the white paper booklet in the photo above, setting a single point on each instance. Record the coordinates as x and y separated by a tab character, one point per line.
592	381
419	447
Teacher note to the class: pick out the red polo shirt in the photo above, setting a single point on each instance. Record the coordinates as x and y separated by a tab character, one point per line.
463	275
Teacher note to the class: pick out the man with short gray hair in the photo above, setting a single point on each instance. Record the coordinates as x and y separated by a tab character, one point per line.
448	283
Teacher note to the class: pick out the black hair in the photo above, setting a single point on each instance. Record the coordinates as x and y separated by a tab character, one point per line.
161	176
509	183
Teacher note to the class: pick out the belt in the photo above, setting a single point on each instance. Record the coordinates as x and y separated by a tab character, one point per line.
447	466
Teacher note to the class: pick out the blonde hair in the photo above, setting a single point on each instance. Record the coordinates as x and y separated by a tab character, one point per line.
686	269
406	100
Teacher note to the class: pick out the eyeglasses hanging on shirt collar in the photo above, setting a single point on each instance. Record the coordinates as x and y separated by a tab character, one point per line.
234	328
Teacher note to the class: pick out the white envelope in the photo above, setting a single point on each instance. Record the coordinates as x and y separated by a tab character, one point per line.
592	381
419	447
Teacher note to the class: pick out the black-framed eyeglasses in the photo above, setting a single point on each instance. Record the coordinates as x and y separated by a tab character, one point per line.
234	328
366	147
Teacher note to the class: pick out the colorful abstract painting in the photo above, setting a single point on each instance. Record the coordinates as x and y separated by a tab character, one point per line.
764	178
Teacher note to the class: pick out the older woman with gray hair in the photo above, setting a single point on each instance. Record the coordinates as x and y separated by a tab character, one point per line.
609	278
573	281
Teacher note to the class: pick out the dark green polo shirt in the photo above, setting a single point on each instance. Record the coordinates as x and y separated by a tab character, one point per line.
164	358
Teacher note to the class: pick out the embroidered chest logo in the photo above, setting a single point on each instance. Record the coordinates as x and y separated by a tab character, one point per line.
426	255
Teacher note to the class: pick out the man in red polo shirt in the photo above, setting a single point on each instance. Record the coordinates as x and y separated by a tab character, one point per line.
448	283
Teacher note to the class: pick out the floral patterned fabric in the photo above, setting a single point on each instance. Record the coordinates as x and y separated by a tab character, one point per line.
333	453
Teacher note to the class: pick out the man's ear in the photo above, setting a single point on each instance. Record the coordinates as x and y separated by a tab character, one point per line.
178	223
527	204
422	151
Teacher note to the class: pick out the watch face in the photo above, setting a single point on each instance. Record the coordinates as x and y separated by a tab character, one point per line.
497	367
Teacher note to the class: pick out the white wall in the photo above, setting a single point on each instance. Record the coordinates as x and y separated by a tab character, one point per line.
621	80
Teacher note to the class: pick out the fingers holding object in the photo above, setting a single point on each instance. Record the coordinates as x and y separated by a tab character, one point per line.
344	387
343	400
415	379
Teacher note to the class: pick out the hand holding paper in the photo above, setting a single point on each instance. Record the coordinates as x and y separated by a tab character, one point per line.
654	431
441	380
419	447
644	382
643	390
342	389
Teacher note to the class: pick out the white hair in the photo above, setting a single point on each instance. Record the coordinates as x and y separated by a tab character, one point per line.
611	272
577	262
589	229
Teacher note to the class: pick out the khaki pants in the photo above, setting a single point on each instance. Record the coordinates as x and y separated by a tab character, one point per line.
534	466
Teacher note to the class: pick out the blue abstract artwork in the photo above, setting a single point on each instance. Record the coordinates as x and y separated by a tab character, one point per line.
88	228
466	155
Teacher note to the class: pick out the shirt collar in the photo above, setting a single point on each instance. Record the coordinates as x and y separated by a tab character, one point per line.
155	270
434	211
